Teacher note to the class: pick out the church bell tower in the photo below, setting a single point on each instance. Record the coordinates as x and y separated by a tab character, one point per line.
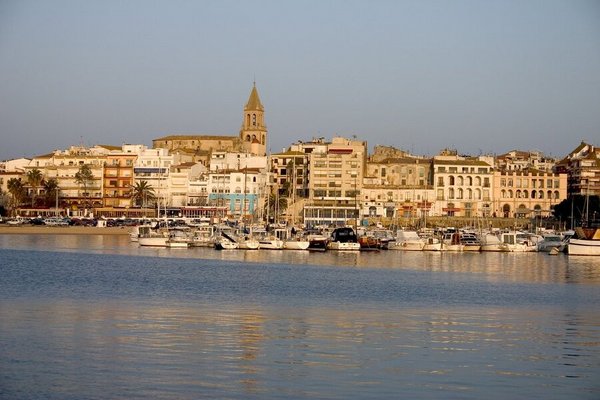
253	133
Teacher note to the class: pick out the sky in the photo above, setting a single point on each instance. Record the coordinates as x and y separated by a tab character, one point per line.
481	77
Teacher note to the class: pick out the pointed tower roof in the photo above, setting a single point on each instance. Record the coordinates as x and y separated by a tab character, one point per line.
254	101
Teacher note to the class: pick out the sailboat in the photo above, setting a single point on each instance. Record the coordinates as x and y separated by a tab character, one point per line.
587	242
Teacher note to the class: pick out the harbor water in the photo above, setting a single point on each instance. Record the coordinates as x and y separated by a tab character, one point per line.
98	317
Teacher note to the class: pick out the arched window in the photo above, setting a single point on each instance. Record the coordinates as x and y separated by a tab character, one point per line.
469	194
451	180
451	193
502	193
533	194
253	119
478	194
469	181
549	194
541	194
556	195
460	193
477	181
506	210
525	194
247	138
460	181
510	194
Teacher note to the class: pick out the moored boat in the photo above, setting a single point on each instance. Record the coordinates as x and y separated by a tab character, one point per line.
587	242
343	239
408	240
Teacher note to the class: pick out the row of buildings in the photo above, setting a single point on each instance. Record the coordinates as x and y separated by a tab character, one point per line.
314	182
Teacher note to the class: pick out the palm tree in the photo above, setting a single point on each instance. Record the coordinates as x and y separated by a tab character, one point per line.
34	178
51	191
143	193
17	191
274	206
85	178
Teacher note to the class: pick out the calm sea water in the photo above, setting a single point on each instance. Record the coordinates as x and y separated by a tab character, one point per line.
97	317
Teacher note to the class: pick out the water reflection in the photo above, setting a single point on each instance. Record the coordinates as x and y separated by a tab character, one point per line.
268	351
495	267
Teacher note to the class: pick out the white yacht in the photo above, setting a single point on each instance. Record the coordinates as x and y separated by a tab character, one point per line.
343	239
408	240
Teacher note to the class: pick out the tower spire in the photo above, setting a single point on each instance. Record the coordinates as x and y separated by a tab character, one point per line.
253	133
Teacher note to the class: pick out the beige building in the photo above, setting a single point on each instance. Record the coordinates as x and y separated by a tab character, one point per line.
398	187
517	160
336	173
63	165
527	193
463	186
583	168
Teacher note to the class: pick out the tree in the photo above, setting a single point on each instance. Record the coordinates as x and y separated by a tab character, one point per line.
143	194
34	178
275	206
576	206
85	178
51	190
17	191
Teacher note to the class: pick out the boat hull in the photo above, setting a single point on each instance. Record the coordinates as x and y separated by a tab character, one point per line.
296	245
153	241
583	247
343	246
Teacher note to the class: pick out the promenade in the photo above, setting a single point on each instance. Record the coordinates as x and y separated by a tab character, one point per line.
61	230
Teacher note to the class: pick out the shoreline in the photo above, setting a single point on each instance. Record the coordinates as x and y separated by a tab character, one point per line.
61	230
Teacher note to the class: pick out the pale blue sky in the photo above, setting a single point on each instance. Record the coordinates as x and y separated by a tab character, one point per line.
478	76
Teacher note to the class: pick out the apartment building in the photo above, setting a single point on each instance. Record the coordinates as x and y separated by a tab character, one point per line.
335	178
517	160
582	165
527	193
398	187
239	192
76	197
119	177
463	185
290	173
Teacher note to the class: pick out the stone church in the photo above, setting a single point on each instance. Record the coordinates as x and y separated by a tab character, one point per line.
252	137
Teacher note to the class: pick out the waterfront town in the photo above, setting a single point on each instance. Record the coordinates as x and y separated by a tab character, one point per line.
320	182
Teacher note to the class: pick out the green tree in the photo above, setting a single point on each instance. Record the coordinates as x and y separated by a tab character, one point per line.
50	191
34	178
143	194
17	191
85	178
